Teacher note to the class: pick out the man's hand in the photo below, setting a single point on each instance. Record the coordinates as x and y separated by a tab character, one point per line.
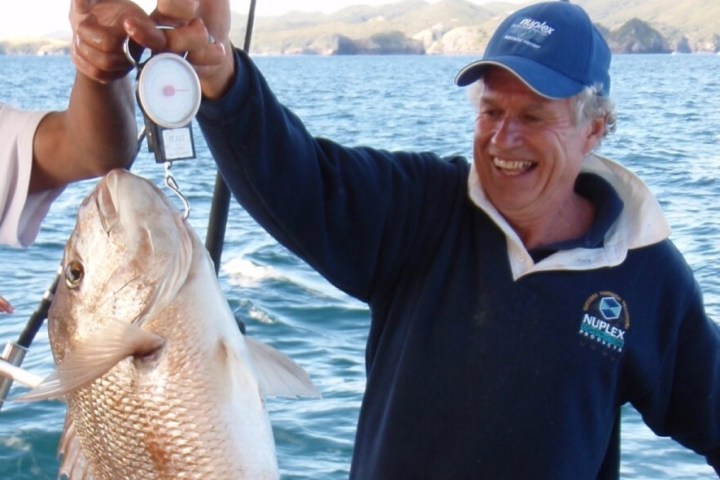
99	32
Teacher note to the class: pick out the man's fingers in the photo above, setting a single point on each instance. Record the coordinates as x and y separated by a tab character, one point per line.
144	32
98	65
192	38
82	6
89	34
211	56
176	12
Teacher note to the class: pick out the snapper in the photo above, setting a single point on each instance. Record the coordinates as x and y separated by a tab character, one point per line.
159	381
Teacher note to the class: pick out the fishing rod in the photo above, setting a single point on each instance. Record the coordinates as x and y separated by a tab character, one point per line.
217	223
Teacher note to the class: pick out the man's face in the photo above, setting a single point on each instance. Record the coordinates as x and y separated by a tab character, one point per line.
528	149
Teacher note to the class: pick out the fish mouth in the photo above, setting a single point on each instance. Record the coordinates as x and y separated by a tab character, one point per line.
513	167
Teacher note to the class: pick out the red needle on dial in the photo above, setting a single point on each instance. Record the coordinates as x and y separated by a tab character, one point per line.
169	90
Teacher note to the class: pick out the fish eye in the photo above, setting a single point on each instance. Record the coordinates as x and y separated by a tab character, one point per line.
74	273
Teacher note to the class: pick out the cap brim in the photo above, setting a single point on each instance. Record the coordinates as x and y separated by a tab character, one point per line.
542	80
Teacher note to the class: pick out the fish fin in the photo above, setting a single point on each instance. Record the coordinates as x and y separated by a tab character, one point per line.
94	358
278	375
74	464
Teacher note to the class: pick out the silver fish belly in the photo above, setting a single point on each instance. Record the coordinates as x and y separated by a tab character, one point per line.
159	381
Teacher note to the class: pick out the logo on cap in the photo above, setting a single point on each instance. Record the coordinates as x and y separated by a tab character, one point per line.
529	31
551	46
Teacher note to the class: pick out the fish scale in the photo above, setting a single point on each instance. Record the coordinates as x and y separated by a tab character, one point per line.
138	444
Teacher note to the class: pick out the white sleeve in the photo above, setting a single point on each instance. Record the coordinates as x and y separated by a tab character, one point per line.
20	214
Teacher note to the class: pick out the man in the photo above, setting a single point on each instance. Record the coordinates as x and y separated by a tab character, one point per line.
41	152
518	302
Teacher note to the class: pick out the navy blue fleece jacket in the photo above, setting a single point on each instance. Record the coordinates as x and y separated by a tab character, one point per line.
484	360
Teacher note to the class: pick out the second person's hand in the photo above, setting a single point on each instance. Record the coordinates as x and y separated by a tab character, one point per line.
5	306
99	32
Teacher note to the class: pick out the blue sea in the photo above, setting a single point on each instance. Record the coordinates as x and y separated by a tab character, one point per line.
668	132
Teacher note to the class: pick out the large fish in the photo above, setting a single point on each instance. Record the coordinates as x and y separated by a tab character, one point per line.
159	382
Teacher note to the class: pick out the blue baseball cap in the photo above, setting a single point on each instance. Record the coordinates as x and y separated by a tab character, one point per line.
553	47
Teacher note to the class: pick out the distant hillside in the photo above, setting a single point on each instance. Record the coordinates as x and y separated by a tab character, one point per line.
694	22
455	27
35	46
461	27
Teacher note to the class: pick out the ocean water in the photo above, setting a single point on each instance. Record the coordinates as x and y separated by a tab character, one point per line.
668	132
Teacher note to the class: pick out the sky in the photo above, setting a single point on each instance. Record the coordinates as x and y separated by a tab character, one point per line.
37	17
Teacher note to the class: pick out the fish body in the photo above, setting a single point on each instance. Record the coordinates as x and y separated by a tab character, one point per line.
159	381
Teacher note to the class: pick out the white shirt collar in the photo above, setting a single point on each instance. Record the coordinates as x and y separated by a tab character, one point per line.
640	223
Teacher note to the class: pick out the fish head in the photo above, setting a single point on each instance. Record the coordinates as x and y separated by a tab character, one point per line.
127	257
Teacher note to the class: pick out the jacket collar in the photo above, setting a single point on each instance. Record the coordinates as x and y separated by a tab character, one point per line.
640	223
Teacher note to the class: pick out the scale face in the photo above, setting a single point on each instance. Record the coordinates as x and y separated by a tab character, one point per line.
169	90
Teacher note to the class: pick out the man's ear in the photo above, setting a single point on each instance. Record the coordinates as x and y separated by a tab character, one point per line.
596	131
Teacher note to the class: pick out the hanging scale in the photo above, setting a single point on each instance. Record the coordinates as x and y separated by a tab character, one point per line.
168	93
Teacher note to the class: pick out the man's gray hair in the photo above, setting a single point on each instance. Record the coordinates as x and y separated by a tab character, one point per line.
589	105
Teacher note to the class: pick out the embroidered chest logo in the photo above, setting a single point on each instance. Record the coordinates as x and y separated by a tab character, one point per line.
605	321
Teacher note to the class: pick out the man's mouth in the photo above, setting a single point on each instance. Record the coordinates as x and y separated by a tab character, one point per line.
513	167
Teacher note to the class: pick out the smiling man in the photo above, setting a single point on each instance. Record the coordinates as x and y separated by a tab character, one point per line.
541	69
518	300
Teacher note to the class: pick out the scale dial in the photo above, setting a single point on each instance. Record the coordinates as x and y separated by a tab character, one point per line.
169	90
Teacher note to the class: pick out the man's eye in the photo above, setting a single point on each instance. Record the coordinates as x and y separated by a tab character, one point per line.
490	114
532	119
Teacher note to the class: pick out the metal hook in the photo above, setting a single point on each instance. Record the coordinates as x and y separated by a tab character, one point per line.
136	62
172	185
